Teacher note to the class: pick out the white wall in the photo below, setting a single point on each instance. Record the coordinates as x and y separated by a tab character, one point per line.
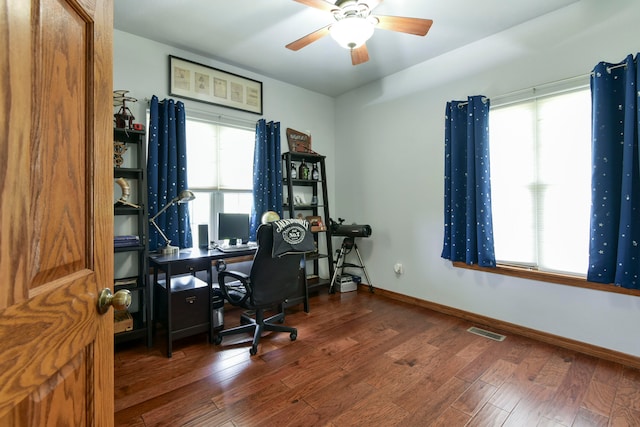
389	170
142	67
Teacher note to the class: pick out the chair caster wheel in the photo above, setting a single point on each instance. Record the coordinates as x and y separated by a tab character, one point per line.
253	350
217	340
293	336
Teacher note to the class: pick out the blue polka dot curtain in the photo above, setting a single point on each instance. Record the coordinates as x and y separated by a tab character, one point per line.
267	173
614	247
468	224
167	172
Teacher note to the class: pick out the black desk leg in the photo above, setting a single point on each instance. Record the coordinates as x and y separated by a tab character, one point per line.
210	285
169	323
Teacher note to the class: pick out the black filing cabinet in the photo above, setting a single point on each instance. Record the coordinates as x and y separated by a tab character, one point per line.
189	305
185	308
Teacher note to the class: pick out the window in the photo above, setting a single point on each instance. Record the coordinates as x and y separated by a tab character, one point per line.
220	172
541	182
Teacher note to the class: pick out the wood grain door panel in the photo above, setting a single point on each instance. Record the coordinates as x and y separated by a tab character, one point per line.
59	208
56	212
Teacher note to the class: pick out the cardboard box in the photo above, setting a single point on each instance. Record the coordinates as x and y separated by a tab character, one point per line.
122	321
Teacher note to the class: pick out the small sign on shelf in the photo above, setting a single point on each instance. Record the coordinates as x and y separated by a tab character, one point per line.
299	142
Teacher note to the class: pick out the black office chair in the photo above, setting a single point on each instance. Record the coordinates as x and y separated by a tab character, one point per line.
271	281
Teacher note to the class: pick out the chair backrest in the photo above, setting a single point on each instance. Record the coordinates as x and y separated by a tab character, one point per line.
273	279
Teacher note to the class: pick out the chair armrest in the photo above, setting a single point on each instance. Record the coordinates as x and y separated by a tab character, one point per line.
238	275
236	295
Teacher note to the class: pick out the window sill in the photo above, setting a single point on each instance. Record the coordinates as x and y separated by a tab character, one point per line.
544	276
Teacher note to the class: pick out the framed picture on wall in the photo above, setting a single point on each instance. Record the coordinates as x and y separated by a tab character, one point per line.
199	82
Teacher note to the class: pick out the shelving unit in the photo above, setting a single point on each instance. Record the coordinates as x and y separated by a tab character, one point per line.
131	226
300	195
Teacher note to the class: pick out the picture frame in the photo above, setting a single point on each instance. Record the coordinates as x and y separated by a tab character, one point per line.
198	82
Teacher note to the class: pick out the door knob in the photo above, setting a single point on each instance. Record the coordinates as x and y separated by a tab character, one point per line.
120	300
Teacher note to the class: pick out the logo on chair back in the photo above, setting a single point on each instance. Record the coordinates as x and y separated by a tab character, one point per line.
290	236
292	230
294	234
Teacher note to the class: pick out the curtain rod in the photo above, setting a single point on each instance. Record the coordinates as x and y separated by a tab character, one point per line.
219	116
462	104
613	67
533	89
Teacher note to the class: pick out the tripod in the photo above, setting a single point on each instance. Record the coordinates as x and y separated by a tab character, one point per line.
348	243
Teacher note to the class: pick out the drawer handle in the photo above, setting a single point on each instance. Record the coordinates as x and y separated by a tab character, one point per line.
190	300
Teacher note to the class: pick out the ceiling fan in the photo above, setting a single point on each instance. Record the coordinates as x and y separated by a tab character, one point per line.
355	24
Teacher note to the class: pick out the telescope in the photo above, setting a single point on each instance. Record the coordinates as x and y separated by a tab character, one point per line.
349	232
352	230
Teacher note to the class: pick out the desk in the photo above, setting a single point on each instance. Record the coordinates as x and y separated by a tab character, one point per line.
190	295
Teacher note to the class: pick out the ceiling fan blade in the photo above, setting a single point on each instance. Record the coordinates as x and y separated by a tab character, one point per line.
417	26
318	4
308	39
359	55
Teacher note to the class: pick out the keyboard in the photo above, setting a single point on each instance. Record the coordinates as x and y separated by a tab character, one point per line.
236	248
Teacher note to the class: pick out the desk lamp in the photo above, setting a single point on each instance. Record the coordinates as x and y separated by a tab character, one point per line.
184	197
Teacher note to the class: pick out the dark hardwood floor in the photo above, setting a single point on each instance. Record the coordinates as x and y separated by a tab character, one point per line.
366	360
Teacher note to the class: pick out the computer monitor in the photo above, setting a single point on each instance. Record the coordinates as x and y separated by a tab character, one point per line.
233	227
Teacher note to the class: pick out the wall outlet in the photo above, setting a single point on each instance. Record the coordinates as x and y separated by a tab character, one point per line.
398	268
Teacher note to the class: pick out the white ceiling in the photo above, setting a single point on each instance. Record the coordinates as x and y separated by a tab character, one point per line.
252	34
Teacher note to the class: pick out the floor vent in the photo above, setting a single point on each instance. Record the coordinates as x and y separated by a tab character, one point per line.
486	334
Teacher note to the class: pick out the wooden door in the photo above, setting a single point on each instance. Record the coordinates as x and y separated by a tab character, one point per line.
56	229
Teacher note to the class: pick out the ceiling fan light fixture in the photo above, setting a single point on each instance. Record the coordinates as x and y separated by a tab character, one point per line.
352	32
